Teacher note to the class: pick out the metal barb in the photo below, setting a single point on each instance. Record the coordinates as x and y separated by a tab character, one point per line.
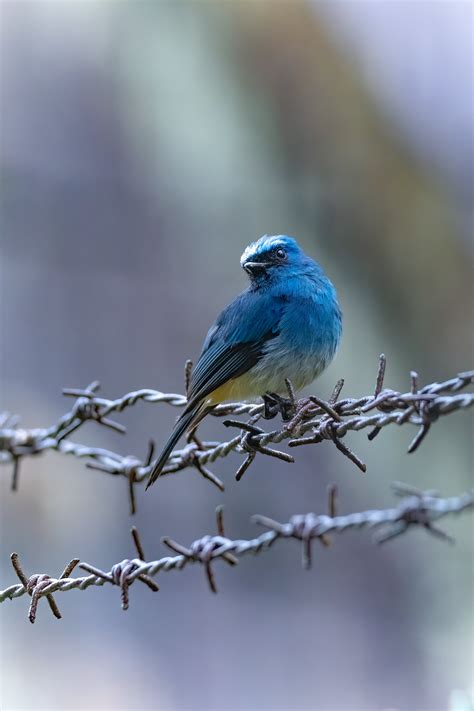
332	500
349	454
15	473
336	392
37	584
207	474
124	573
206	549
378	389
419	437
326	407
291	392
380	375
137	542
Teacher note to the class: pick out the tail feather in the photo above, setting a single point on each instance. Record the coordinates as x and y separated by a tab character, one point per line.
185	422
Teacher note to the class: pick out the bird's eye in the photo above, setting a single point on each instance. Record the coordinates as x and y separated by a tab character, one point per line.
280	253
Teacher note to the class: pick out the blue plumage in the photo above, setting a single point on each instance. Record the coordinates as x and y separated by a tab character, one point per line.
287	324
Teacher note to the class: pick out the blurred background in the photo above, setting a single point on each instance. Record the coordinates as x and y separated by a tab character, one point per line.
143	145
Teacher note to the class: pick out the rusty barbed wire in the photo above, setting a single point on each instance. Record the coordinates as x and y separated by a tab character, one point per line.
306	421
416	508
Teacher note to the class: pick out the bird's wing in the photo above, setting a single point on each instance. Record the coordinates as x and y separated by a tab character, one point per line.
233	345
236	342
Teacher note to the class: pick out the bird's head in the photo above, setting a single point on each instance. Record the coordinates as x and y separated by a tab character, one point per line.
272	256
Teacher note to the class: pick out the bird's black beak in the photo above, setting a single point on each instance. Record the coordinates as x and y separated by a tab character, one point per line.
254	268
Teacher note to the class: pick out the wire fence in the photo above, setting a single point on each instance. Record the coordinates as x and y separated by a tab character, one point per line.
416	508
306	421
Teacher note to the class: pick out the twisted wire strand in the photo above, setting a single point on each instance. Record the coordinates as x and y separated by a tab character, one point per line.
310	421
416	508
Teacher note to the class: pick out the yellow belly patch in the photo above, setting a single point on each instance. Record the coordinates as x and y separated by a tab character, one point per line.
241	388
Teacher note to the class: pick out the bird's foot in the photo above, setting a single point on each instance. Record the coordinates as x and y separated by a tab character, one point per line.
276	404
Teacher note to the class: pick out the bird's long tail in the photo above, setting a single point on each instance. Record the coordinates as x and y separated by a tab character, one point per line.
190	418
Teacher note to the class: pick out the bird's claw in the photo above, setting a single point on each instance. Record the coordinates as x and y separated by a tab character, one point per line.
276	404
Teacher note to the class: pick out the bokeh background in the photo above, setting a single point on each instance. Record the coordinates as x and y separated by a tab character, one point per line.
143	145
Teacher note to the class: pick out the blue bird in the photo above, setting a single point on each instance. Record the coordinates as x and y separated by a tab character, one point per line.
286	324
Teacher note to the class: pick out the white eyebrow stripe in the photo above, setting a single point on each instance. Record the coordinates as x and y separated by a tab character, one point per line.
254	249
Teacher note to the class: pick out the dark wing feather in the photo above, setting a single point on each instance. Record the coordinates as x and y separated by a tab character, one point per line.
223	364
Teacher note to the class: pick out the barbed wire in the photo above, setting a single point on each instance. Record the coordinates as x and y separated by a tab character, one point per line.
416	508
309	420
